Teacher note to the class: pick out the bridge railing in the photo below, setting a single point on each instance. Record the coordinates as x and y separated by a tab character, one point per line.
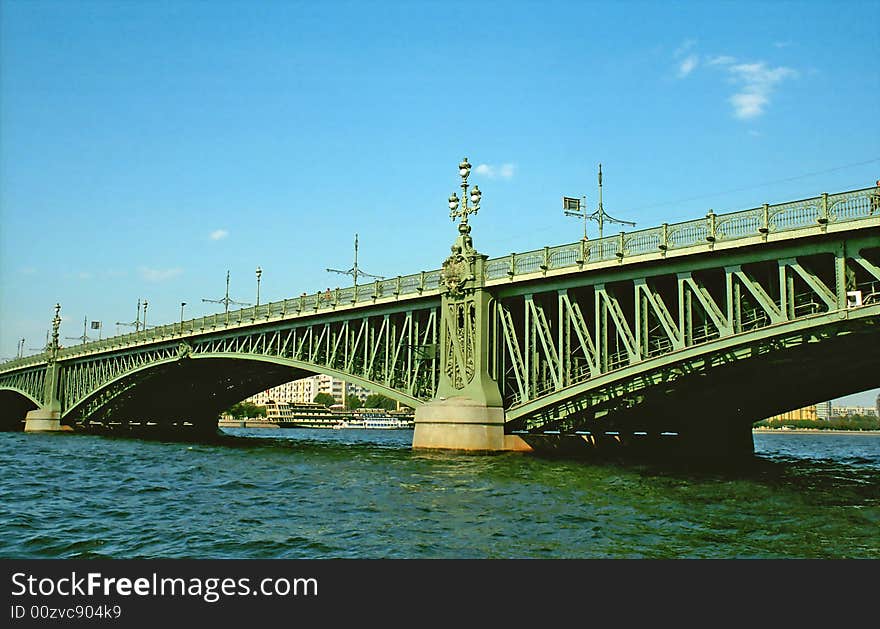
713	228
760	221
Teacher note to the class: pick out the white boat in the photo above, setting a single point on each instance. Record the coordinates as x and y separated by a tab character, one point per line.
377	421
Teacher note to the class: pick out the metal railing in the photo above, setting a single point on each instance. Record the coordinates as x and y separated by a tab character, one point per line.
714	228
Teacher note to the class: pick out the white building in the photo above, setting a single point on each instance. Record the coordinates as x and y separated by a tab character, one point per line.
844	411
305	390
823	410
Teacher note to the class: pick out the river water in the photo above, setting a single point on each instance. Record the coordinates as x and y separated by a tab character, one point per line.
263	493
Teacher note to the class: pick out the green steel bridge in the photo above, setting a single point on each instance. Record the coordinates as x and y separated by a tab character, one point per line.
686	333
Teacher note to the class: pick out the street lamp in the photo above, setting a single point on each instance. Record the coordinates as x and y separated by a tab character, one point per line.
464	169
182	304
56	323
145	314
259	273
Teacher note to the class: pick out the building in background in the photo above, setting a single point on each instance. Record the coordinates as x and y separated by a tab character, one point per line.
807	413
823	410
845	411
305	390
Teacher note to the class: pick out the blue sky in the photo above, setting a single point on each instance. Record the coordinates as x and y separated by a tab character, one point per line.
147	147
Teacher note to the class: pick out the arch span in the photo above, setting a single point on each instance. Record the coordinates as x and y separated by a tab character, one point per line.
195	389
14	406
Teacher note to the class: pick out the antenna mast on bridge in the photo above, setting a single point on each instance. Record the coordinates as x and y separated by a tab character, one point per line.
354	271
226	301
600	216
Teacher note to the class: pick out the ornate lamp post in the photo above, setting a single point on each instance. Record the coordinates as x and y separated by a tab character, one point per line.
47	418
455	209
259	274
56	323
467	412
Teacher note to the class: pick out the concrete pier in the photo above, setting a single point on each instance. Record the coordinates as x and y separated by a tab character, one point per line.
43	420
460	423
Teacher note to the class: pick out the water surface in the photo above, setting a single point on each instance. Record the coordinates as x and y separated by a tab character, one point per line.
298	493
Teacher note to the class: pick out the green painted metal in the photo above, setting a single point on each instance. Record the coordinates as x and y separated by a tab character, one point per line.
465	338
537	332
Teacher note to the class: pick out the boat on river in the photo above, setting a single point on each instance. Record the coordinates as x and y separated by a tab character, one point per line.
312	415
377	419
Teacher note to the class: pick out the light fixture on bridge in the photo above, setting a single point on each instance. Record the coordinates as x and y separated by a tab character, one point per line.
462	209
56	323
259	275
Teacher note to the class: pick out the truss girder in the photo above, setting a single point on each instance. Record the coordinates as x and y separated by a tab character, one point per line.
642	318
592	399
394	350
29	381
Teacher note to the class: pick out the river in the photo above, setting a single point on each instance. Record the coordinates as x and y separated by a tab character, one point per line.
298	493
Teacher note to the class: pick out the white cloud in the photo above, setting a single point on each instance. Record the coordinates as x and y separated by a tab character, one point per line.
219	234
757	81
504	171
687	66
159	275
84	275
685	46
720	60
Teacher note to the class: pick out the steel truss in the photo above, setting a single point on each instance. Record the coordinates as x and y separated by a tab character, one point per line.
555	336
394	352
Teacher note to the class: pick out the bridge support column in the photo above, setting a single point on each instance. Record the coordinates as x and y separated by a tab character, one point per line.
467	412
47	418
43	420
460	423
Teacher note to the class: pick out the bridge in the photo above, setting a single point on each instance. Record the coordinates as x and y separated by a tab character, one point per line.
677	337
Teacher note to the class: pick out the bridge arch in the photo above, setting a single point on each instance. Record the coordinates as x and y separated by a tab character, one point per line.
14	406
207	382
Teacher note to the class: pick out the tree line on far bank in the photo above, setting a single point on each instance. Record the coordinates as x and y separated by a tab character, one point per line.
850	422
244	410
374	400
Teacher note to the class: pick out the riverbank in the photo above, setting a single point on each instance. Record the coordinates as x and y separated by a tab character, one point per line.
814	431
